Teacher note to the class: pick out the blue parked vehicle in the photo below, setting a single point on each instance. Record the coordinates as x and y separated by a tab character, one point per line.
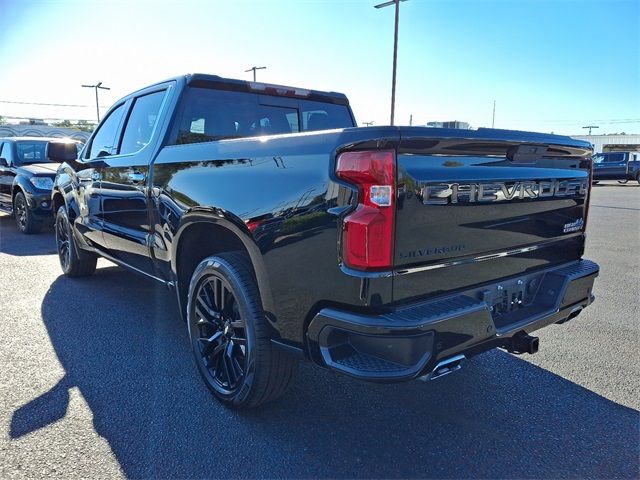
621	166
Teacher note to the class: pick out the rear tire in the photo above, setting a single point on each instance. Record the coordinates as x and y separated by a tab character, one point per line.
25	220
74	261
230	335
638	177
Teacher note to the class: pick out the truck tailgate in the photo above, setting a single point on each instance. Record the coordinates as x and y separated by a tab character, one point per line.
513	201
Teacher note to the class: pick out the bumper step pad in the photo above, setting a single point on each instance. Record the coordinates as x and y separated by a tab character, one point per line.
410	340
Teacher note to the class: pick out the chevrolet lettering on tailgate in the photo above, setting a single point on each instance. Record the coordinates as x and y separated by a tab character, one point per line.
444	193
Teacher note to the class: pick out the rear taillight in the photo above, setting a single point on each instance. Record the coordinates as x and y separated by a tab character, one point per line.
587	200
367	239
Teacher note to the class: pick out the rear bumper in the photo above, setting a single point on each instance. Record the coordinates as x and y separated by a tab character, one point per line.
409	341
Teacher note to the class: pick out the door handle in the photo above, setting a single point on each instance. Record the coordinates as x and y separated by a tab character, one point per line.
136	177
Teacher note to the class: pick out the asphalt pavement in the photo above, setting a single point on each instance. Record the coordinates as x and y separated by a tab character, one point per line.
97	381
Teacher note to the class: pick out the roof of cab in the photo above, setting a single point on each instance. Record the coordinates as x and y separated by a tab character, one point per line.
231	84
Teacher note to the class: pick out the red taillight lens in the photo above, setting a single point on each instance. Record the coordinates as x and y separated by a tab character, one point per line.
367	239
588	197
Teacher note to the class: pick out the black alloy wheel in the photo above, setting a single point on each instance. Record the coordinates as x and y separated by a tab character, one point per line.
219	336
231	336
24	218
63	242
74	261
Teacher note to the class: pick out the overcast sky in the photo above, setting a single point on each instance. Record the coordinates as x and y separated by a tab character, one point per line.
551	65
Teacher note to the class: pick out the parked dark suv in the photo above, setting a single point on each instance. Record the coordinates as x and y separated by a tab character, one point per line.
621	166
27	168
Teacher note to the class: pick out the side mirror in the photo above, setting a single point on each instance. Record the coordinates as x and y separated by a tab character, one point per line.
3	162
63	151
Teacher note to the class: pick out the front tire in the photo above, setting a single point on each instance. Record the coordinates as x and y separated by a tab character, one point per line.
25	220
623	181
74	261
230	334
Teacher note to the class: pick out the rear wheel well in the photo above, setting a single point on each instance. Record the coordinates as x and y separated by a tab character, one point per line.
198	242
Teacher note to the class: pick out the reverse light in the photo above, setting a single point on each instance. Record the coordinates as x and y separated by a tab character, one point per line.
42	183
367	238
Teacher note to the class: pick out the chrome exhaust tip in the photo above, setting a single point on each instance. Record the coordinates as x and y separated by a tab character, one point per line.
445	367
573	314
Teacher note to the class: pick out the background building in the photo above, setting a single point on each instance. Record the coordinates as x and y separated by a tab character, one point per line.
43	131
612	143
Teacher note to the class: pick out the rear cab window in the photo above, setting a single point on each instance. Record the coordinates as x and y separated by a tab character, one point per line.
207	115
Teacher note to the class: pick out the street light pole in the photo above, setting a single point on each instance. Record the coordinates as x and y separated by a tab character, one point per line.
493	119
395	52
254	71
96	87
590	127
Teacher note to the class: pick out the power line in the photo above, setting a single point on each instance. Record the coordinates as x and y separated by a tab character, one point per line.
47	104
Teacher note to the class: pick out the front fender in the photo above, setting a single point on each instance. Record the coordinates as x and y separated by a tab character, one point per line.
20	182
66	184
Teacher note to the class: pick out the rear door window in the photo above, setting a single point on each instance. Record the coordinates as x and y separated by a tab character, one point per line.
615	157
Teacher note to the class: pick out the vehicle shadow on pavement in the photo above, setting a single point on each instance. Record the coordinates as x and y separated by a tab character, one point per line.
12	242
122	344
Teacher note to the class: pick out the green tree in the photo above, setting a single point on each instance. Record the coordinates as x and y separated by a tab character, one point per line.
2	120
84	126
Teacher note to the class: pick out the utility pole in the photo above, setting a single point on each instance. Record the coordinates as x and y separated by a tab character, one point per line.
254	71
411	120
395	51
368	124
590	127
96	87
493	119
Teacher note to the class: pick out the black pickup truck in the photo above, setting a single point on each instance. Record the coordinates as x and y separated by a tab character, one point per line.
384	253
